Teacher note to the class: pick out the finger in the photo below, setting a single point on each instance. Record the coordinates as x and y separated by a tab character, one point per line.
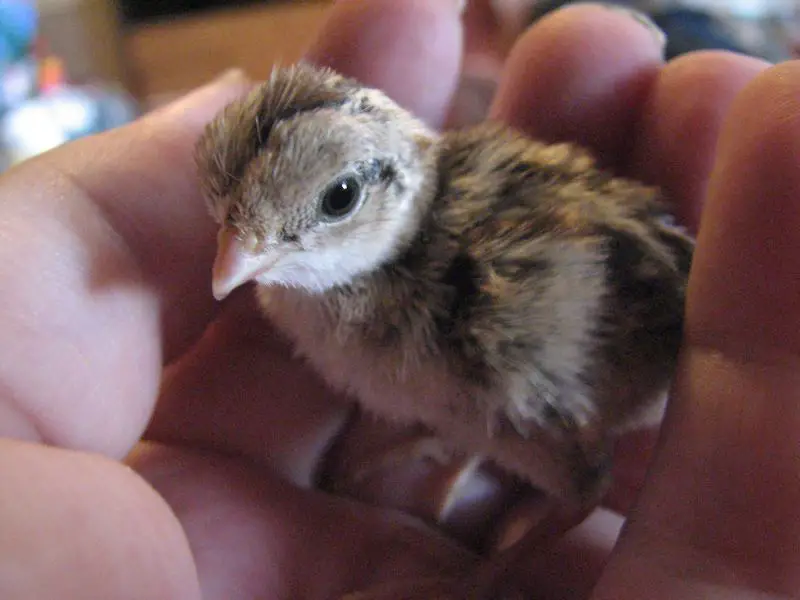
255	536
676	138
228	395
108	245
141	184
581	74
674	147
411	50
75	526
240	391
632	455
88	231
744	287
570	568
723	491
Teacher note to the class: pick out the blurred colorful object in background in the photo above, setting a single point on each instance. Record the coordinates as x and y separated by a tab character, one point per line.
761	28
19	22
40	108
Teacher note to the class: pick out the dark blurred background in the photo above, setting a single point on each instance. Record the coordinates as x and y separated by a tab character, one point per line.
142	11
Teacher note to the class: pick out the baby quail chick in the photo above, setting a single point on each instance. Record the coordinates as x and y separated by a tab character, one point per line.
521	302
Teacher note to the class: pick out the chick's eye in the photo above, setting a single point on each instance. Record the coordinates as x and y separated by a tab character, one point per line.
341	198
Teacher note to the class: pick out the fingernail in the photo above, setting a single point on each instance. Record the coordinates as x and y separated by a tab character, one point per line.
643	19
640	17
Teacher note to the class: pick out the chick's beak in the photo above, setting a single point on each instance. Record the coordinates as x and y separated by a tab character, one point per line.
236	263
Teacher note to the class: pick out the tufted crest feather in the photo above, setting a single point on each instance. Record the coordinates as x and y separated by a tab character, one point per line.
233	138
511	295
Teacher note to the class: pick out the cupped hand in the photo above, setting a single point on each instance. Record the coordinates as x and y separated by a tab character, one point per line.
159	445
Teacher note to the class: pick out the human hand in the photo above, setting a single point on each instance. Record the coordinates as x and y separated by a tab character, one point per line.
106	260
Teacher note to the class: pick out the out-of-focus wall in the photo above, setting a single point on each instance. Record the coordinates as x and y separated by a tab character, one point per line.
85	33
178	54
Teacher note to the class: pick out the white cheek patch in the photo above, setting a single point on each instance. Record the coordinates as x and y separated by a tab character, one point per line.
324	268
313	271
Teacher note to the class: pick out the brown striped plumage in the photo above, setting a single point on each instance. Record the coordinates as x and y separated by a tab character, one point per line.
514	297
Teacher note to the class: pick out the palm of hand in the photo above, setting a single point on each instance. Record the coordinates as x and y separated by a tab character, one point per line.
106	267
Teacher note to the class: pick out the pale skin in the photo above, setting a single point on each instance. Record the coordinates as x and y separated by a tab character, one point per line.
105	260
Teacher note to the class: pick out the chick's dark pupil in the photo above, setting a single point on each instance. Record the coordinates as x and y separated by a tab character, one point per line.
341	198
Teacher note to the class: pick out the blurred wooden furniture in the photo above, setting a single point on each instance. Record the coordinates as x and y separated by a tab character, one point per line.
168	58
85	34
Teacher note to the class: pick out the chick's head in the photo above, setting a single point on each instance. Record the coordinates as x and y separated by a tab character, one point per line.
314	181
